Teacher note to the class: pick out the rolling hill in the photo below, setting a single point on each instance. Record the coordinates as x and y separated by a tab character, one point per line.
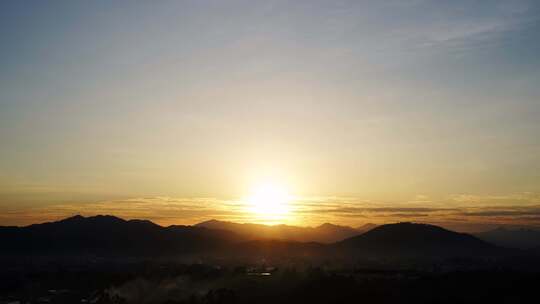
414	240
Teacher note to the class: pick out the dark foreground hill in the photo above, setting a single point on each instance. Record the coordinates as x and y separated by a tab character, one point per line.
415	240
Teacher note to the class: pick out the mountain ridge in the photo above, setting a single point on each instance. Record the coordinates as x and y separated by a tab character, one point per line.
109	235
325	233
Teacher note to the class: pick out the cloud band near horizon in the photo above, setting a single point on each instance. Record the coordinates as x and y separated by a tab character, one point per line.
468	213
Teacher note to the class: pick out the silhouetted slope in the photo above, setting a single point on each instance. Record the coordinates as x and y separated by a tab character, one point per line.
512	238
109	235
325	233
415	240
366	227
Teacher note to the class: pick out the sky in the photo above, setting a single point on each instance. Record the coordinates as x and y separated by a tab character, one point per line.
366	111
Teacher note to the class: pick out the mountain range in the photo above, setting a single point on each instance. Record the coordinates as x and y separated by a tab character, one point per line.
112	236
325	233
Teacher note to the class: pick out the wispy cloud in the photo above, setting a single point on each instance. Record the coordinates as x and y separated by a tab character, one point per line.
463	24
518	199
513	209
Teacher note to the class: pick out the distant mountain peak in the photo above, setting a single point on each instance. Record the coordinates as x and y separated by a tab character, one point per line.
104	218
211	221
366	227
329	226
143	222
89	220
77	217
325	233
216	224
409	228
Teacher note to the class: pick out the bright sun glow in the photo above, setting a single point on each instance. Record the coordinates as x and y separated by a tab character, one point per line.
269	200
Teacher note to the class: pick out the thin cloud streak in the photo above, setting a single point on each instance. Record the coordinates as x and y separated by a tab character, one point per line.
186	211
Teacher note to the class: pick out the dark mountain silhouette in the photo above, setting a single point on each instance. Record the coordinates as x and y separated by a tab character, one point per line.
415	240
112	236
325	233
512	238
109	235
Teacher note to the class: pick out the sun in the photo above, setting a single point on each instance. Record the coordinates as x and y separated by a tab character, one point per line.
269	200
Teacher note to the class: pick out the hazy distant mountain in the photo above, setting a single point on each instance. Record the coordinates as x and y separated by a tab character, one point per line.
409	239
325	233
366	227
109	235
512	238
